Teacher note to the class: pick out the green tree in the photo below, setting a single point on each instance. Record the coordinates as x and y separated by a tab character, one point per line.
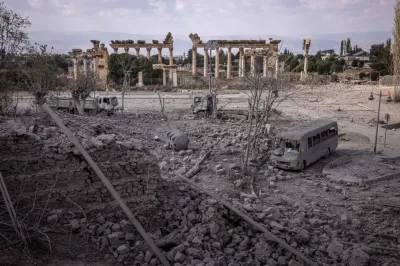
354	63
341	48
396	40
138	64
381	58
348	45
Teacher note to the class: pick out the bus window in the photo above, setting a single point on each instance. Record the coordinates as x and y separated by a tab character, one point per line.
288	144
316	139
324	135
332	132
310	142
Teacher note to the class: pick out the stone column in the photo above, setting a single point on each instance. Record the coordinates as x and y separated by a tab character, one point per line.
241	62
85	70
305	63
243	65
252	65
194	53
94	65
265	68
217	62
159	55
171	61
148	53
140	79
229	67
164	78
75	62
205	62
126	49
137	51
174	78
276	65
116	50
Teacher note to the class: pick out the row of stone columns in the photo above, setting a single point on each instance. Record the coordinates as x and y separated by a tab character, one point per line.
242	63
85	66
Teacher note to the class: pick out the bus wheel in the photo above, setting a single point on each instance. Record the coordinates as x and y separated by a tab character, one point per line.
328	153
303	166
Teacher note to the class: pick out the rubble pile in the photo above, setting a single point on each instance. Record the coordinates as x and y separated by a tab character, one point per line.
46	164
194	229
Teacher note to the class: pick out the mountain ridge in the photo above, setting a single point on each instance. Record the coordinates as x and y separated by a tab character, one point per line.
66	41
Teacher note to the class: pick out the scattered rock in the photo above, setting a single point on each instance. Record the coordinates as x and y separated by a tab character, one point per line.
335	249
123	249
179	257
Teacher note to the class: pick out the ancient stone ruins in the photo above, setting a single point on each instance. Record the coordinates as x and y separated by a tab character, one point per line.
259	168
268	51
97	57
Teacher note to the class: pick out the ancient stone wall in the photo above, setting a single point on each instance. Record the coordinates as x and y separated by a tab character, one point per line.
39	168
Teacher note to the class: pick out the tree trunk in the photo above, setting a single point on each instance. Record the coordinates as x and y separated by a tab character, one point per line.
215	107
123	99
78	106
44	118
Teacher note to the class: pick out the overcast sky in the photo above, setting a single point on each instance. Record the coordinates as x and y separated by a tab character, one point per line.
208	17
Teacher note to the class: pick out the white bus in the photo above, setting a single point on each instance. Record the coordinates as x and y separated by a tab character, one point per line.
300	146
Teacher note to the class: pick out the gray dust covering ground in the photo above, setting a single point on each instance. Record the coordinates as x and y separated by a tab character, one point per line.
331	220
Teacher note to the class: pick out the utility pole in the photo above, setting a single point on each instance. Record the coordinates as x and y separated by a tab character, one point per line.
212	46
389	99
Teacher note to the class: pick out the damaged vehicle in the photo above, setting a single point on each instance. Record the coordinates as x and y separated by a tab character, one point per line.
298	147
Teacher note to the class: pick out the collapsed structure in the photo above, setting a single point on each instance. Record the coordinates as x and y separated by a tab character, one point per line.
97	56
241	45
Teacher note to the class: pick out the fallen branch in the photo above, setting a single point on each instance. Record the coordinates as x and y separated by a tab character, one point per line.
77	205
11	211
196	168
5	238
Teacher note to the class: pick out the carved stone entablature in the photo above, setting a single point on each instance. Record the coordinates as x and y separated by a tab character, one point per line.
195	39
155	41
130	41
77	50
306	44
169	39
141	42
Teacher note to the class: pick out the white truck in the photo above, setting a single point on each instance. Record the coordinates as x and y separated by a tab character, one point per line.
99	104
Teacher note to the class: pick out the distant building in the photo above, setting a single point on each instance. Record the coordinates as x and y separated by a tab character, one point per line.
362	57
327	53
179	58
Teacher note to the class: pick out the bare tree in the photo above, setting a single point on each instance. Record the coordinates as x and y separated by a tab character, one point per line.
264	94
82	87
13	40
39	73
126	61
162	105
